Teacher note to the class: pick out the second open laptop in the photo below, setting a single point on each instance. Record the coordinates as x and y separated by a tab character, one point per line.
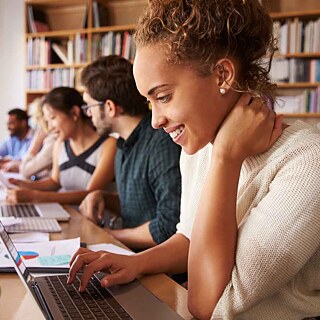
58	300
30	210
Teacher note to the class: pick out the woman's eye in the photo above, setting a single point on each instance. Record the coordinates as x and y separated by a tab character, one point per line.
164	99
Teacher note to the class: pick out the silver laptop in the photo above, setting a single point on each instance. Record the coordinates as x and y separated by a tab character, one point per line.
58	300
31	210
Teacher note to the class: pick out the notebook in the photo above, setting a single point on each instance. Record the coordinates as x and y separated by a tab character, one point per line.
57	300
28	210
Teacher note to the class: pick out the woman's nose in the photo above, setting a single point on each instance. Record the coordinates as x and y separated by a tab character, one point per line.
158	120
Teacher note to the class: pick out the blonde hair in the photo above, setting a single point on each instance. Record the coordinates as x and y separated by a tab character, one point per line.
37	114
197	33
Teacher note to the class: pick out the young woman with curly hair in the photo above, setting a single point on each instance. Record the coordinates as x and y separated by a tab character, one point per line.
249	230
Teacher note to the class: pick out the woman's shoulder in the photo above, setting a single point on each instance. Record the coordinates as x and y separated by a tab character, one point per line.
108	144
109	141
297	141
58	147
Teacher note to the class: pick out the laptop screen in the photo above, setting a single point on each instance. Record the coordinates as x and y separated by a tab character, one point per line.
18	261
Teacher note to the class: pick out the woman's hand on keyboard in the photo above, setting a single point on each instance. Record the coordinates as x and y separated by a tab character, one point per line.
121	268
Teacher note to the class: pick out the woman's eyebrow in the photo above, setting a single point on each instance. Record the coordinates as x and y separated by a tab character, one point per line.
152	90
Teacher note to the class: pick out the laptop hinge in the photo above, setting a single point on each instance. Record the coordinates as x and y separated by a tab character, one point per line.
41	300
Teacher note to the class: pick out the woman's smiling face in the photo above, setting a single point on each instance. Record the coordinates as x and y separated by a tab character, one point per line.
58	122
186	105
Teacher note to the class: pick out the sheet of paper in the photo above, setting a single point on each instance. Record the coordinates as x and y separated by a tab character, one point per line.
30	237
5	176
3	193
32	251
110	248
10	221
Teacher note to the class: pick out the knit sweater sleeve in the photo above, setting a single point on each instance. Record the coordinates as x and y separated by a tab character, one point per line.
277	238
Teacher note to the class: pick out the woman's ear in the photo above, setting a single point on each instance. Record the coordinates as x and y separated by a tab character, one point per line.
75	113
226	75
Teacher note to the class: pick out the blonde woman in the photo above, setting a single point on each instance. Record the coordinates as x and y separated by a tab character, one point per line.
37	162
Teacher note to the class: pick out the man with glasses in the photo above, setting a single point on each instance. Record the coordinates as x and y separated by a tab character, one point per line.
147	161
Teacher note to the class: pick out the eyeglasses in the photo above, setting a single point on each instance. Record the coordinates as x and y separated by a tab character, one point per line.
86	107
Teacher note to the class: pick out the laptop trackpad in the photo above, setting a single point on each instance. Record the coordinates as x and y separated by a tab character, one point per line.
51	210
140	303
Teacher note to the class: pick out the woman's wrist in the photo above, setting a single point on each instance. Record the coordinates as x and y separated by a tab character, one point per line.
141	263
36	196
226	159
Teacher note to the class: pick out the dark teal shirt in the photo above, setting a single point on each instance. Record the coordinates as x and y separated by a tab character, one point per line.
149	181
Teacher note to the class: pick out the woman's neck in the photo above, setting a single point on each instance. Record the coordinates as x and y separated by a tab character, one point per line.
83	138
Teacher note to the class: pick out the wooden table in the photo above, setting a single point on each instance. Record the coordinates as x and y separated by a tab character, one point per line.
17	303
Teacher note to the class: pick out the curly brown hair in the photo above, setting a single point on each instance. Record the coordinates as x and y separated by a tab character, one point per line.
197	33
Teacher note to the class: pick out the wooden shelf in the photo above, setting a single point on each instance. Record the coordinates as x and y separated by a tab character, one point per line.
293	14
56	66
66	20
301	115
68	33
51	34
299	55
53	3
44	91
298	85
125	27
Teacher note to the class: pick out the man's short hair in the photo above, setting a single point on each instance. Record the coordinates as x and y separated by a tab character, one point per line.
19	113
112	78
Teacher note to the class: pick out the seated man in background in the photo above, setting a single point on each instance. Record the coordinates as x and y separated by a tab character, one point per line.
147	160
15	146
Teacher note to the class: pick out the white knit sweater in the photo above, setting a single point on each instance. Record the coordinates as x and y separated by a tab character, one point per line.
277	269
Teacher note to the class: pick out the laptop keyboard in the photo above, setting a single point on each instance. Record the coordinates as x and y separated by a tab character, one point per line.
19	211
35	224
94	303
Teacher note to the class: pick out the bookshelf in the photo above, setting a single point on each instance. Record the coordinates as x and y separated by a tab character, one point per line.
62	37
296	65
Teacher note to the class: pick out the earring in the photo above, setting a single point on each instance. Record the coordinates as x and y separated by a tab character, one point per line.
222	91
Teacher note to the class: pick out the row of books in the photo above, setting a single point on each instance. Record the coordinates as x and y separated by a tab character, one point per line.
299	101
99	14
295	70
119	43
296	36
42	51
37	19
47	79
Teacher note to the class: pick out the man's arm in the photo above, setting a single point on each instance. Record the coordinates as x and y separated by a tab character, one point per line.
135	238
139	237
112	201
4	149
